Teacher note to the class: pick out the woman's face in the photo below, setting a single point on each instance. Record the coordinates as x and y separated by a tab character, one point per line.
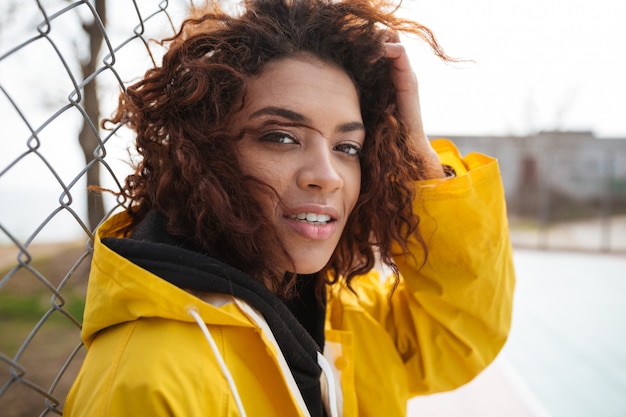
304	135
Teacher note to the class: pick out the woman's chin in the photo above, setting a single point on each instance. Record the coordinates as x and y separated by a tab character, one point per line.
306	268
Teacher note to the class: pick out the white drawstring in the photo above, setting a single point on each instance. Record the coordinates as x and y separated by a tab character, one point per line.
330	382
321	361
194	313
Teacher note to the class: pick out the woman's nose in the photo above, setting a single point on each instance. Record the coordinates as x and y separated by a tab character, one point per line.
318	169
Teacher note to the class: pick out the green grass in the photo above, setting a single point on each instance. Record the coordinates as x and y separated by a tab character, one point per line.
20	313
30	307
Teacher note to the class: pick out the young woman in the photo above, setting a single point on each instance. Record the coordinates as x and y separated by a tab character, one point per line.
294	244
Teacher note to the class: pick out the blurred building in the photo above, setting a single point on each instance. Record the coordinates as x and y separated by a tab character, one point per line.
557	175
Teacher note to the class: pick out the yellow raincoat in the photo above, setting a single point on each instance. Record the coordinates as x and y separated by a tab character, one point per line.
446	321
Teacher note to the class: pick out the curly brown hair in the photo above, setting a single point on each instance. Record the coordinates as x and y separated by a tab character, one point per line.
181	110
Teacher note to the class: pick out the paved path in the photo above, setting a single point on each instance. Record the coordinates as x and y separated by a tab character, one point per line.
497	392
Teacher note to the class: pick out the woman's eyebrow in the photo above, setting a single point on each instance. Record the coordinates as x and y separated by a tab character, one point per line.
351	127
300	118
282	112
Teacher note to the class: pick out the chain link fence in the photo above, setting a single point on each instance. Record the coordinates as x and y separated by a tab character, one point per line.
46	76
46	231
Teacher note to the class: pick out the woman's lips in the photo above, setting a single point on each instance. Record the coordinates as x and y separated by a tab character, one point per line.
312	230
312	221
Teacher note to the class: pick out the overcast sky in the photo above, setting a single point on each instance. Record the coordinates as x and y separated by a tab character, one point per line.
538	64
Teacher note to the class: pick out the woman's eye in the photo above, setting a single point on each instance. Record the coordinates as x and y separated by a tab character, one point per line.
349	149
278	137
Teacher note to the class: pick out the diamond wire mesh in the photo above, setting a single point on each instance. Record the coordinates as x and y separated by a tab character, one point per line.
45	239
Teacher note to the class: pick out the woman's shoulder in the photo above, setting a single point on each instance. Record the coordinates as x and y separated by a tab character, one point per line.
152	358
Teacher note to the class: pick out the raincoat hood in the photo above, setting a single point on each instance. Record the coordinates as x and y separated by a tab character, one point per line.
121	291
151	262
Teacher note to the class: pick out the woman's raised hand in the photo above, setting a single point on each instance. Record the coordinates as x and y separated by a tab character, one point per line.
407	89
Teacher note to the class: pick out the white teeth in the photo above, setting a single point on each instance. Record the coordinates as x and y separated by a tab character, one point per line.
312	217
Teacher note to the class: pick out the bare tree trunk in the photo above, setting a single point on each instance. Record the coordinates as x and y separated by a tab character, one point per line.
87	139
